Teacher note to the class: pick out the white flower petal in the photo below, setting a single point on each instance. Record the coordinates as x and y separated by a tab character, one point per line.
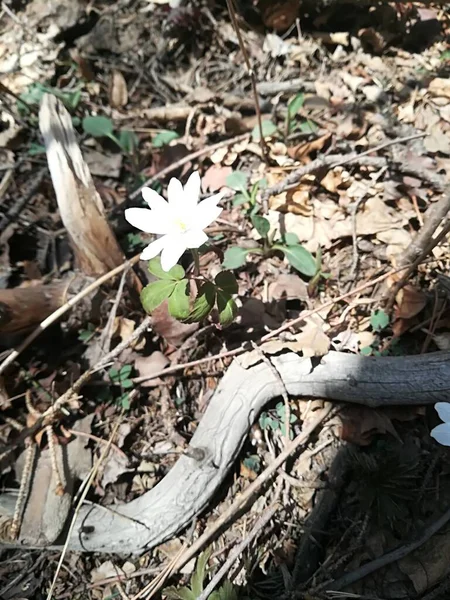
150	221
194	238
443	410
192	189
441	434
154	248
206	212
153	199
175	194
174	247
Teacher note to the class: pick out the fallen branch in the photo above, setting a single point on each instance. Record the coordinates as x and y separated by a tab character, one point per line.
169	507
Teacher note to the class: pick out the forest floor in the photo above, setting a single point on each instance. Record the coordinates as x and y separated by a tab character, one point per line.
318	217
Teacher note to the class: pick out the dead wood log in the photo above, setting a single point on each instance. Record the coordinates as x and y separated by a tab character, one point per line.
188	488
80	206
24	308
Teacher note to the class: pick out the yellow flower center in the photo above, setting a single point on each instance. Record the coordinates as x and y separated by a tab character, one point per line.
180	224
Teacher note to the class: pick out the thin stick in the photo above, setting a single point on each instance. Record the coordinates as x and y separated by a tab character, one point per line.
251	74
424	246
234	554
336	160
63	309
23	489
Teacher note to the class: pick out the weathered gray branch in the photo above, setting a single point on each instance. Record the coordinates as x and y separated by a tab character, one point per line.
242	393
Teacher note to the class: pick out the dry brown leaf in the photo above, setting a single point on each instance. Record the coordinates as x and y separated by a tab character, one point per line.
410	301
169	328
148	365
288	286
215	178
303	151
118	92
332	180
312	340
437	140
377	216
360	424
440	86
293	201
124	329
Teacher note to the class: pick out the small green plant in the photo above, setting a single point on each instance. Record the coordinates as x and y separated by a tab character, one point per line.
101	126
298	257
87	334
163	138
33	95
134	242
238	181
277	421
291	124
175	287
269	129
379	320
121	377
197	583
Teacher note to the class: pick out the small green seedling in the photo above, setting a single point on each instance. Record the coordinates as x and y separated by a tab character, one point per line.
291	125
163	138
277	422
33	95
121	377
298	257
101	126
87	334
197	583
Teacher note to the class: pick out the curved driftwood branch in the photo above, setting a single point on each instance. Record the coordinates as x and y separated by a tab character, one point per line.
242	393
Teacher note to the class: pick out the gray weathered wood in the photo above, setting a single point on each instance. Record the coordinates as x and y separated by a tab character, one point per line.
243	392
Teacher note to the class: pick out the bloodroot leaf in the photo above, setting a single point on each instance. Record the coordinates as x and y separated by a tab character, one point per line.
226	281
176	273
235	257
155	293
237	180
204	302
261	225
227	308
97	126
179	300
301	259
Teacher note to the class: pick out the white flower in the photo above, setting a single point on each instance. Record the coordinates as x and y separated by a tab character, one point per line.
441	433
180	221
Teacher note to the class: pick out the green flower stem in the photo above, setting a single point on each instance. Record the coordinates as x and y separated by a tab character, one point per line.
196	258
117	141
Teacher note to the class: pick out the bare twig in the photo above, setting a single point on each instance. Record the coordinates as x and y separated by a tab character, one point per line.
251	74
234	554
430	243
30	453
335	160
